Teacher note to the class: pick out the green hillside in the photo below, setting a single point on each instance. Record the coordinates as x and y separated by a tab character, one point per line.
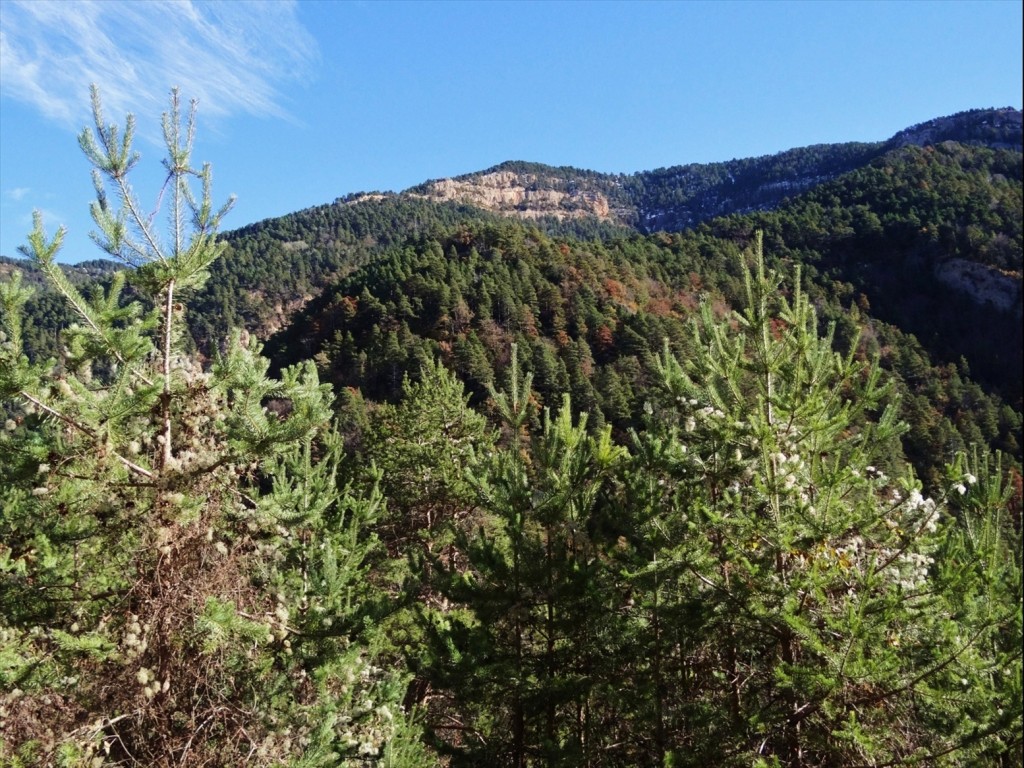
541	492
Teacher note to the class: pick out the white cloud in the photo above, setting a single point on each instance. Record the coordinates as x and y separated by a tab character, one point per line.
52	220
231	56
18	193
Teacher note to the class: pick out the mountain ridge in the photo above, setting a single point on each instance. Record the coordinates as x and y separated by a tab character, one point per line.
904	243
676	197
284	261
682	196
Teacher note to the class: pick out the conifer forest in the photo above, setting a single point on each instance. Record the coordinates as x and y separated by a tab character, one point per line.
726	477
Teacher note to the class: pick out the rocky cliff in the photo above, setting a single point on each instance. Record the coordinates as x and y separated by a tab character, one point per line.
526	195
984	285
680	197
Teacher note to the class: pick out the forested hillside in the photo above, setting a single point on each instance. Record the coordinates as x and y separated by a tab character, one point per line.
589	319
916	252
683	196
932	238
920	247
540	492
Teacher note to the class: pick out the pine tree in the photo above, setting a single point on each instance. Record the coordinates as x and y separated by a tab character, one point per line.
422	446
812	599
519	647
182	575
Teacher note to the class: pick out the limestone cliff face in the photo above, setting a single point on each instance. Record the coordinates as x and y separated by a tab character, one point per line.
983	284
525	195
681	197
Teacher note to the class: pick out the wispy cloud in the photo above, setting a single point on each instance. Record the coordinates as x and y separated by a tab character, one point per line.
17	194
232	56
52	220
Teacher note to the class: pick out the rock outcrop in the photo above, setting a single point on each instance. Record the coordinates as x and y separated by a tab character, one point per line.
527	196
984	285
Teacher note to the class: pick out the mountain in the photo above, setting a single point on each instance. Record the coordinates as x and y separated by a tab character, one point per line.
684	195
931	236
914	243
275	266
80	274
664	199
917	246
272	266
993	128
581	494
47	310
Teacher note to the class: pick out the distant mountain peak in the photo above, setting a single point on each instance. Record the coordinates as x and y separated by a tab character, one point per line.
1000	128
682	196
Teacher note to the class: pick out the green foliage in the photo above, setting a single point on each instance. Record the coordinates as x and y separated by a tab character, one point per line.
524	662
695	537
593	317
883	233
906	238
273	267
180	566
421	447
794	544
684	196
747	586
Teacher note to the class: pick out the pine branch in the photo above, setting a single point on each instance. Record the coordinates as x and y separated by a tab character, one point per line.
141	471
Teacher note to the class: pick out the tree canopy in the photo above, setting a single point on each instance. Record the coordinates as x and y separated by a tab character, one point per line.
641	501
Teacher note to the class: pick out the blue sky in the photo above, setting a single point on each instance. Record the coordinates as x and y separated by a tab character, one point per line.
301	103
